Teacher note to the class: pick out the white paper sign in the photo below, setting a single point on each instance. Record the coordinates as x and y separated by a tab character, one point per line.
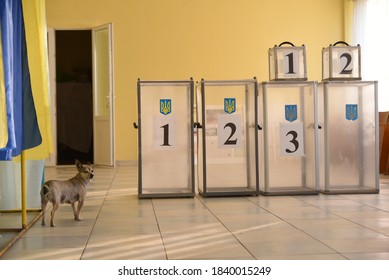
165	132
292	139
346	63
229	131
291	65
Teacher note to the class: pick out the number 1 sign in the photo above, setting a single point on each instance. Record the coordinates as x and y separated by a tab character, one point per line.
287	63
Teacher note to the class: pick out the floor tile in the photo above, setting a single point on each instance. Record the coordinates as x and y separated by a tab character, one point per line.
119	225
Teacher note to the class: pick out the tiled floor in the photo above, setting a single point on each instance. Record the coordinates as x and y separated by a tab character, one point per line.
118	225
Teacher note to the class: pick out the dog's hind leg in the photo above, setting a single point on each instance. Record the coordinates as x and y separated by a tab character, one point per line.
55	207
44	202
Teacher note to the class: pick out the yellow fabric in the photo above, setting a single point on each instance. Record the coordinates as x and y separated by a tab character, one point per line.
34	13
3	110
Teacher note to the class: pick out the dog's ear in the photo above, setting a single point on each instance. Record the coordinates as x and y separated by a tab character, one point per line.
78	165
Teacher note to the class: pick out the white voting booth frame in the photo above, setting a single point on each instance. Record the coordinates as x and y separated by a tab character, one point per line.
288	138
349	152
349	114
227	138
288	125
165	139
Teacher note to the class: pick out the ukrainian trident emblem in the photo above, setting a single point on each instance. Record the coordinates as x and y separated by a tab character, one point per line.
351	112
229	105
165	106
291	112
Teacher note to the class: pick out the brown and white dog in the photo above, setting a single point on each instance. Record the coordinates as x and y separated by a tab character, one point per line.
68	191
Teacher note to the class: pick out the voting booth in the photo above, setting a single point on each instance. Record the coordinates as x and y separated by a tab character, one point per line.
349	114
288	138
287	125
165	139
227	138
349	138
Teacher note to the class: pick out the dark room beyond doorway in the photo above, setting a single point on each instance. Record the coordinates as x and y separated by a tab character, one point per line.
74	98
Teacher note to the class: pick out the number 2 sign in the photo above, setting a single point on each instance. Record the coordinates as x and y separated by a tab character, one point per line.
292	139
229	131
341	62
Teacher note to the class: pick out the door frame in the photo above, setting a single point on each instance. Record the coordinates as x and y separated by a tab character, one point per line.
52	160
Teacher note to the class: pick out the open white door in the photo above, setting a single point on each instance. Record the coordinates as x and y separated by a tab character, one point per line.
102	95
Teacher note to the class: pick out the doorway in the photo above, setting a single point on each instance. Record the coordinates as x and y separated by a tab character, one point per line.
74	96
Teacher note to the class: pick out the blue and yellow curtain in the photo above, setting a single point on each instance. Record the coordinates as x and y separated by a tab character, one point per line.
25	123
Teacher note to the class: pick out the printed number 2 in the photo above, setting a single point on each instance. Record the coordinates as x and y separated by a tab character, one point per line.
293	141
233	130
348	62
165	135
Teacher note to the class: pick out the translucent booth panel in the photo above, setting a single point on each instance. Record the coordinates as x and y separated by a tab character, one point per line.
288	138
166	166
349	139
227	159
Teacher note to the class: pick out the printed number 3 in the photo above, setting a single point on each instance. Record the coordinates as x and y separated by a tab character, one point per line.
293	141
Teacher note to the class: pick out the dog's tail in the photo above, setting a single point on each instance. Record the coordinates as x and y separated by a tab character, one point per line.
45	190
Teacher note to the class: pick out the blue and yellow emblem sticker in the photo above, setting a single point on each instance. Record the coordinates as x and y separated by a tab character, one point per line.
352	112
229	105
165	106
291	112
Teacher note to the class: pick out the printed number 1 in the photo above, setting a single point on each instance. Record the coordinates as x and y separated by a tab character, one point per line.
290	64
165	135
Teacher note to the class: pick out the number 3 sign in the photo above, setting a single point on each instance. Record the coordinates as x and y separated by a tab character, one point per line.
292	139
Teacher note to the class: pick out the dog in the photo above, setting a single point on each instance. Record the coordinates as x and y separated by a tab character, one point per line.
68	191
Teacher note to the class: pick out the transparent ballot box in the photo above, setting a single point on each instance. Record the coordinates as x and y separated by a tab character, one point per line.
165	139
341	62
288	138
227	139
349	139
287	62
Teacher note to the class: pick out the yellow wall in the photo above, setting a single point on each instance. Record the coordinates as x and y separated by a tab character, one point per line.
210	39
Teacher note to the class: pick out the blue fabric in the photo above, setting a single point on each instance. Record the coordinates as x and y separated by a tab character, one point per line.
23	127
31	134
6	32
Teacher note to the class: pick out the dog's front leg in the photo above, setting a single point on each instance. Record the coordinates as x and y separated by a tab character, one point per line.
74	210
79	206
